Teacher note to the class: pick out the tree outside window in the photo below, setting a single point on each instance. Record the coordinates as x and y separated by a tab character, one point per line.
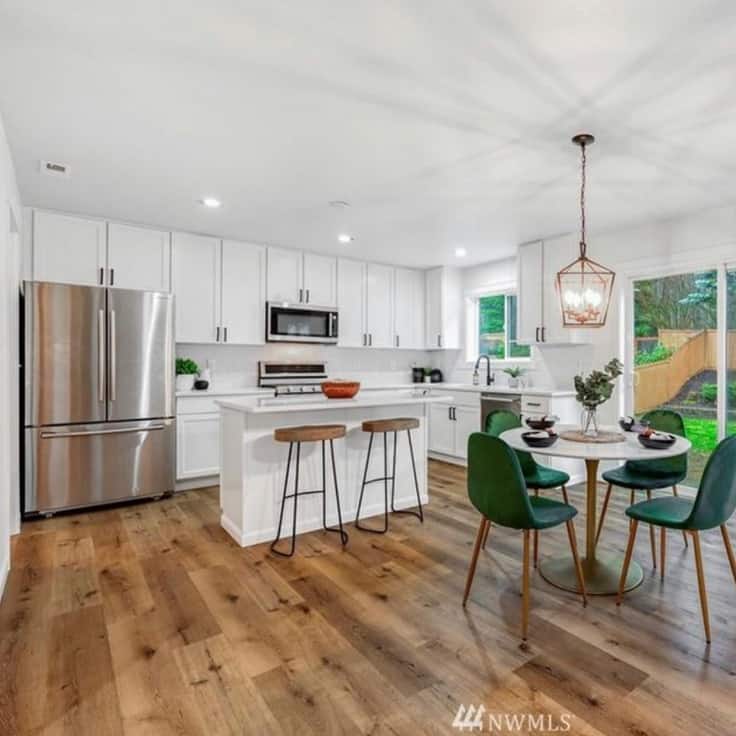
497	328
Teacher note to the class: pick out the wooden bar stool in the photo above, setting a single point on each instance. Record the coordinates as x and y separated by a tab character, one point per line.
384	426
295	436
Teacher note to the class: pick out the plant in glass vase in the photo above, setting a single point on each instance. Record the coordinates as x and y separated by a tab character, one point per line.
595	390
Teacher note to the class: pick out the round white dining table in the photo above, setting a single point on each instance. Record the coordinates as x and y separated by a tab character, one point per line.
602	572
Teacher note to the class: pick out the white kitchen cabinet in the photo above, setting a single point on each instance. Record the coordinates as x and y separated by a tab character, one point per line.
450	425
197	445
320	280
379	305
441	429
243	293
138	257
197	270
285	275
467	421
351	303
408	309
444	305
68	249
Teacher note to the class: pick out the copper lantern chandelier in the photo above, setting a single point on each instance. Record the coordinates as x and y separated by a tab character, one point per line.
584	287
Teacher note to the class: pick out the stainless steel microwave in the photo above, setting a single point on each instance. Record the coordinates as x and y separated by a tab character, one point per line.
286	322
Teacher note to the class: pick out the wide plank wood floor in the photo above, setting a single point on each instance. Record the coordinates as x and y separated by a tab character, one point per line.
148	619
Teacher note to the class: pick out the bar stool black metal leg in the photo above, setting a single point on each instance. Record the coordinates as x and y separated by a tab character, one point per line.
419	514
283	501
358	525
339	529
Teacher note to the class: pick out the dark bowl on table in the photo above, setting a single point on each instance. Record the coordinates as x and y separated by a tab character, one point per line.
540	424
657	443
536	439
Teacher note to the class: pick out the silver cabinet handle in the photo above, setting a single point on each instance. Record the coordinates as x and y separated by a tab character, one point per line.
224	334
217	333
102	276
112	276
101	355
544	339
531	403
301	295
536	335
370	339
307	299
397	341
113	356
93	432
439	341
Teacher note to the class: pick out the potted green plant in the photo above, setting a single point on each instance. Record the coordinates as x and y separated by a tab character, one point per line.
514	373
593	391
427	375
186	371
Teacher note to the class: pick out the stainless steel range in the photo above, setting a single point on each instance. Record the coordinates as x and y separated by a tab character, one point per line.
292	379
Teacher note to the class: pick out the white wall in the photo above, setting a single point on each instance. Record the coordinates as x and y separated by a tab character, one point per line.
10	219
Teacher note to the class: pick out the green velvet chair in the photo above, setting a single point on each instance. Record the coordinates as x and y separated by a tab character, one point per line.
712	507
649	475
537	477
497	489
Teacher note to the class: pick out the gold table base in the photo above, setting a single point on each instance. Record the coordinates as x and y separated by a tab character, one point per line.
602	575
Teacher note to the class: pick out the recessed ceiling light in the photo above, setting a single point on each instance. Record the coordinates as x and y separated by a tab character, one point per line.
345	238
338	203
211	202
461	252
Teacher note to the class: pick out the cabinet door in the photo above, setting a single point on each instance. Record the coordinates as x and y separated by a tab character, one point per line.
467	421
138	258
320	280
197	287
284	279
197	445
68	250
530	292
243	318
379	305
441	429
351	303
408	309
434	307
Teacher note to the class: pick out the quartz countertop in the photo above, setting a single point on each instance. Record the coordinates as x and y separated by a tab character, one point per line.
288	405
527	391
227	391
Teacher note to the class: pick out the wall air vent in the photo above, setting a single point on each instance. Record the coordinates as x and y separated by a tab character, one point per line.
54	168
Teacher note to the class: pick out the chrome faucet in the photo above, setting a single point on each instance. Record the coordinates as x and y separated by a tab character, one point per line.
490	376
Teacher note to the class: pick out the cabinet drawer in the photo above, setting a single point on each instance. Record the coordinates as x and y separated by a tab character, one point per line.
535	404
199	404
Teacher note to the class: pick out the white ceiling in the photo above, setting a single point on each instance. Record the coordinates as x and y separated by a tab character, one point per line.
444	124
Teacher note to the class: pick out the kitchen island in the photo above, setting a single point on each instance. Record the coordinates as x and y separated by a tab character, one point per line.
253	465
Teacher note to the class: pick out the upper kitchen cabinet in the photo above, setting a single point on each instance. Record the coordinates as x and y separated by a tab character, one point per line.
351	303
379	305
243	313
69	250
409	309
197	271
538	317
302	278
444	304
138	258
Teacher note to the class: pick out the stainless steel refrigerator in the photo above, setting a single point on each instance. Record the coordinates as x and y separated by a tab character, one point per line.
98	374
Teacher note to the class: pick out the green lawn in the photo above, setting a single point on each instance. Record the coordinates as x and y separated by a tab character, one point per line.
702	433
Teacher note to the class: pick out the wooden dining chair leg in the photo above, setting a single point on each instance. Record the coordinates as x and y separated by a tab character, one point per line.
576	559
662	549
536	539
474	559
652	539
603	513
633	526
525	588
729	550
632	498
684	533
485	536
565	497
701	585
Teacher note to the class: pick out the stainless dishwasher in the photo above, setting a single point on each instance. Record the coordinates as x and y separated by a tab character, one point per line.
493	402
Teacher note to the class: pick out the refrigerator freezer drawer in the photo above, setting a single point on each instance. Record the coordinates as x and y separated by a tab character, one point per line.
91	464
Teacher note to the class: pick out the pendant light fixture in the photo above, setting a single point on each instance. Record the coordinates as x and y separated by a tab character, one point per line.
584	287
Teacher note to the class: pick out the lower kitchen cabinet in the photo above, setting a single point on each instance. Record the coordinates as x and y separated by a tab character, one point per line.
450	425
197	445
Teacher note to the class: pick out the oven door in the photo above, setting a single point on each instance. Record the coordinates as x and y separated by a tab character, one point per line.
297	323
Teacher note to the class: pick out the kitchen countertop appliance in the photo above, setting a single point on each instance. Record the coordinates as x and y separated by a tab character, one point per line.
98	400
292	379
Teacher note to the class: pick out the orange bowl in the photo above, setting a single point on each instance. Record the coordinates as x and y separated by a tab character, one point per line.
340	389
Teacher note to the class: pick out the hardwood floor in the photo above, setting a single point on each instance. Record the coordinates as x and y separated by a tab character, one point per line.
148	619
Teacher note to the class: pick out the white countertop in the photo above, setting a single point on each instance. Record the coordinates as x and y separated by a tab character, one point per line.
531	391
285	406
225	391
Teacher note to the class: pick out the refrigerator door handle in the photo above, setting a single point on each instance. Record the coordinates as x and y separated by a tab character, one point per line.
101	355
113	356
93	432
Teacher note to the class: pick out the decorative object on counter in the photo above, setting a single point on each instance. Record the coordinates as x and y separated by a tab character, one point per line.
186	370
201	385
206	374
595	390
543	423
427	375
514	373
539	438
417	374
584	286
435	375
339	389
